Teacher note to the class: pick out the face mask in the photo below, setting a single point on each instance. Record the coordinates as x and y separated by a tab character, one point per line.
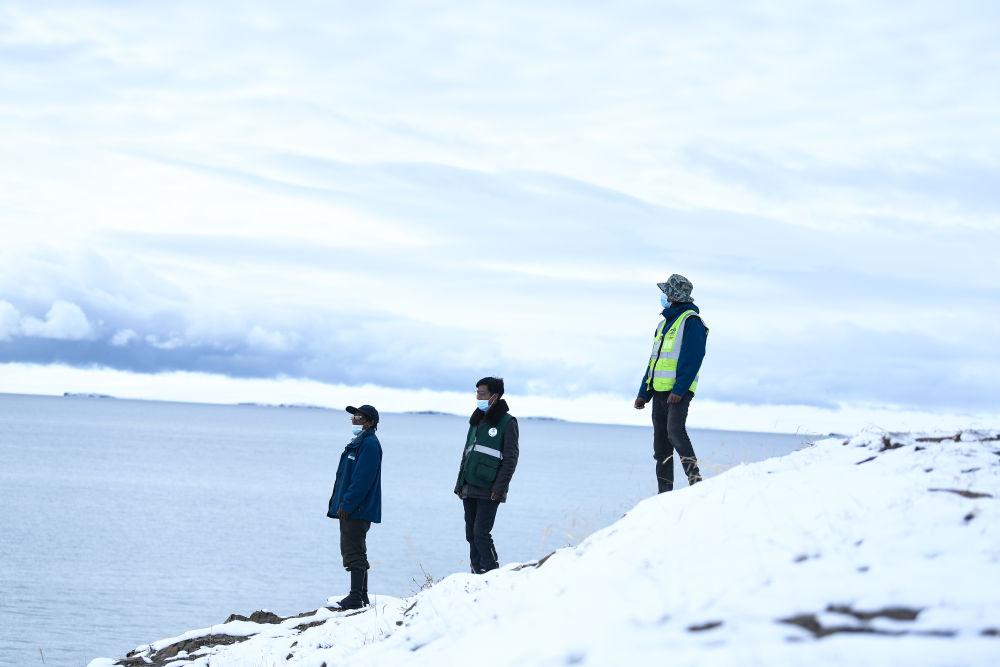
356	430
483	405
664	300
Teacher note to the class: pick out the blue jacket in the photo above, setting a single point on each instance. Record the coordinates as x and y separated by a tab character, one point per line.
692	350
359	480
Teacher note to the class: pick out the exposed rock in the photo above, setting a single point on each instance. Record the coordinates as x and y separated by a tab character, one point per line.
169	653
888	444
895	613
536	564
179	650
260	617
702	627
954	438
812	624
306	626
964	494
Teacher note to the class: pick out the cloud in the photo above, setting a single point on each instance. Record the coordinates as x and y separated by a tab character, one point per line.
123	337
10	321
555	332
328	192
270	341
63	321
172	343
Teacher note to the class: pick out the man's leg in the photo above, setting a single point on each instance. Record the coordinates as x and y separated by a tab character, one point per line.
352	543
679	440
486	515
355	554
662	451
470	533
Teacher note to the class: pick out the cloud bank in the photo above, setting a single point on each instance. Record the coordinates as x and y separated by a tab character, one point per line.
414	196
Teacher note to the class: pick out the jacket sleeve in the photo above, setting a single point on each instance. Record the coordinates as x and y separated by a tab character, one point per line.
645	393
365	472
458	480
508	463
692	353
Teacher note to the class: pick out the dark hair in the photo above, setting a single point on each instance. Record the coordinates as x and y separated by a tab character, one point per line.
492	384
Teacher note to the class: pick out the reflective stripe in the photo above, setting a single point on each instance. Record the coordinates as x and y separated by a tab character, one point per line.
489	451
657	342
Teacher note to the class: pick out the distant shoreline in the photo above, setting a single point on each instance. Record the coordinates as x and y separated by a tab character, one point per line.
96	396
297	406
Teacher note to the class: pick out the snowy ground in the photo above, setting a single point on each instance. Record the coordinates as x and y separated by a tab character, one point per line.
878	550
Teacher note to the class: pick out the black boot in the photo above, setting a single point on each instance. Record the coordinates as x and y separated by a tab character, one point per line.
690	465
665	475
356	599
364	590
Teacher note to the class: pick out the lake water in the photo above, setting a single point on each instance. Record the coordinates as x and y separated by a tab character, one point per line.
122	522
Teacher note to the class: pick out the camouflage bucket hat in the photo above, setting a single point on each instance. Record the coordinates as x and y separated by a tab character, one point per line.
677	288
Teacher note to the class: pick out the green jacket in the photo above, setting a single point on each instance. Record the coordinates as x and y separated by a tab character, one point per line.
489	457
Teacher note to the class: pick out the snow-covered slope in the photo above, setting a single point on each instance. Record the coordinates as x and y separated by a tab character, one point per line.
876	550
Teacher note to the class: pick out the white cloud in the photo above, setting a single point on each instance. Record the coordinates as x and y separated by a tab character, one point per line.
10	321
511	195
123	337
596	408
171	343
64	321
272	341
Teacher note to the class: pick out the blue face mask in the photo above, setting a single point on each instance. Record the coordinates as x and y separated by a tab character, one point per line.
664	300
483	405
356	430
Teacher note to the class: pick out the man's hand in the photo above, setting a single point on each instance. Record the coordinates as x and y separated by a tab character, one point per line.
342	513
640	403
495	497
674	398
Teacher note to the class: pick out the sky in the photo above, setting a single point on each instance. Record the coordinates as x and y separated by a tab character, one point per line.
334	203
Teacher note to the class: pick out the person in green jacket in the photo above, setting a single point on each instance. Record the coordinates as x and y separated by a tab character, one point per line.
488	462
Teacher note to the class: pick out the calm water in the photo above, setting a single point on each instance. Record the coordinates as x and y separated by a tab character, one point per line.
122	522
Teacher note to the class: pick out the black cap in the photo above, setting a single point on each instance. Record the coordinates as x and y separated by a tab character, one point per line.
366	411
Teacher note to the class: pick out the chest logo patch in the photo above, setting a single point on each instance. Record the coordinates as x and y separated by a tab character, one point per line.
493	432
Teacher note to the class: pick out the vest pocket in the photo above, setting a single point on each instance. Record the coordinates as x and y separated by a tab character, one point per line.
482	470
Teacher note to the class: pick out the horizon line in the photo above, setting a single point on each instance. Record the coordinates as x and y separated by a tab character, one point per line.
98	396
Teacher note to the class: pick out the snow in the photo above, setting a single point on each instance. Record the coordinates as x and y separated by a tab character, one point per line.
895	525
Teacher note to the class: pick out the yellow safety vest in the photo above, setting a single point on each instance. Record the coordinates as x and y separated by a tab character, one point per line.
662	373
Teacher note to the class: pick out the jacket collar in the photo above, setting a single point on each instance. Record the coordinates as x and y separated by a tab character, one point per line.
356	440
676	309
492	416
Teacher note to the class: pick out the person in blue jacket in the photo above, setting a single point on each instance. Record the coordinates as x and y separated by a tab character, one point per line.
357	500
671	380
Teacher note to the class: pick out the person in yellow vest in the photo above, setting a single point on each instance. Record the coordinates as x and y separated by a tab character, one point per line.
671	380
488	462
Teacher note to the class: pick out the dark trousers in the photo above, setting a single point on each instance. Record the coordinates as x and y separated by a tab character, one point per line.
670	433
480	513
352	543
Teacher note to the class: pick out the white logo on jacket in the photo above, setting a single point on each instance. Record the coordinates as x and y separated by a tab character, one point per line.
493	432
